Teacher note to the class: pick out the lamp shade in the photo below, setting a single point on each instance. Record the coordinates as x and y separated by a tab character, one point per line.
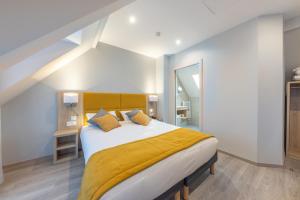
153	98
70	98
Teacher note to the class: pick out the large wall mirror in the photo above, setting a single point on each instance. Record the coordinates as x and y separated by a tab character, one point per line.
189	96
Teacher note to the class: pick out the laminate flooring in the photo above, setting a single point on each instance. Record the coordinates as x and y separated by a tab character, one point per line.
234	180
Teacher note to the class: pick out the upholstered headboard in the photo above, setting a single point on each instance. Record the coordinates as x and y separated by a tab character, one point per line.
92	102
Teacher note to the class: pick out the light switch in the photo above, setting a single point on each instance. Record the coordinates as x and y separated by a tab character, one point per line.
73	118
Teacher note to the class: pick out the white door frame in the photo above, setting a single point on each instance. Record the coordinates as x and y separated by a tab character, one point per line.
201	90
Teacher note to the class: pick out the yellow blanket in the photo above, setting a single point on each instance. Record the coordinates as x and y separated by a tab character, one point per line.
108	167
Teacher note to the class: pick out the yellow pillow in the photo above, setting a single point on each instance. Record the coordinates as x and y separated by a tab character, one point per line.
107	122
141	118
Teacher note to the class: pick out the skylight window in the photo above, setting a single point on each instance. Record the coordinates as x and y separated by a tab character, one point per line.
196	79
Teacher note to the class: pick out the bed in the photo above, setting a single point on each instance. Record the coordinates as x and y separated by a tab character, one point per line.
159	180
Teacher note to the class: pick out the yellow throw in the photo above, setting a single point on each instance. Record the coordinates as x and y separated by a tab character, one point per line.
108	167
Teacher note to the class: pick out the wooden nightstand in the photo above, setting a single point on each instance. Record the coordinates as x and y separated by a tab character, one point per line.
65	145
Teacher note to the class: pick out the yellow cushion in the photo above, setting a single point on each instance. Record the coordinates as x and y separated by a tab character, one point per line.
107	122
141	118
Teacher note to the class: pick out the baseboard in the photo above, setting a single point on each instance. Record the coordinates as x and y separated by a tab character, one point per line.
50	157
269	165
251	162
31	162
26	163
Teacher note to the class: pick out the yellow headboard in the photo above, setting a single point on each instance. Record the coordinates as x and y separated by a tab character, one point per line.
92	102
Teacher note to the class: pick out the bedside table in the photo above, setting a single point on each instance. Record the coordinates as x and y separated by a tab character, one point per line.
65	145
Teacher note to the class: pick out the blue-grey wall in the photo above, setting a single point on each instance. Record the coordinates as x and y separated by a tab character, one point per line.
29	120
243	88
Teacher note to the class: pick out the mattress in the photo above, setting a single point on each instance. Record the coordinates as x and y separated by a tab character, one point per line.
155	180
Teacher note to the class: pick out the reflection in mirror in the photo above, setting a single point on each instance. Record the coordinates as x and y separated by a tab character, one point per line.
188	97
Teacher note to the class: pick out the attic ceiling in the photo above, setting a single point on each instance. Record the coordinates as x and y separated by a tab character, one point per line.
38	38
158	24
190	21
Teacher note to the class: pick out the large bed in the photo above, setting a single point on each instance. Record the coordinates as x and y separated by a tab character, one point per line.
158	179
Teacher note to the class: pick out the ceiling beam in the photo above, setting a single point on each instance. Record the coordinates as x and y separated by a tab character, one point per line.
34	36
100	28
18	78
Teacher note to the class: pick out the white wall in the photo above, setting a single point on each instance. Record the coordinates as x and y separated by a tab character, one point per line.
230	95
1	171
233	89
29	120
291	51
271	90
162	87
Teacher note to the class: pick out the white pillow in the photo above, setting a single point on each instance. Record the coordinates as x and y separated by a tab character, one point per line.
91	115
125	117
113	113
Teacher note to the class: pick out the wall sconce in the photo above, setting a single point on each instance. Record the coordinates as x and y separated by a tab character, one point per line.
151	112
70	99
153	98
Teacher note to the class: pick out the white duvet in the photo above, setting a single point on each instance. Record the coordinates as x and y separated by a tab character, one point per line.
155	180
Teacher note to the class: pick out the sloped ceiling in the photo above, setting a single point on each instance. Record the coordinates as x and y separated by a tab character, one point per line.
191	21
39	37
28	66
185	75
23	75
31	25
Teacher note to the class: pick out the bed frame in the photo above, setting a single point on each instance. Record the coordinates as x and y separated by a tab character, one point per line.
92	102
182	188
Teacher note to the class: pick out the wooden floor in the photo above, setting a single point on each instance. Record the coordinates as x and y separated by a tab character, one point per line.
234	180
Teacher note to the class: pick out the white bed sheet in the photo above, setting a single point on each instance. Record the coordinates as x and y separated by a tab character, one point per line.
155	180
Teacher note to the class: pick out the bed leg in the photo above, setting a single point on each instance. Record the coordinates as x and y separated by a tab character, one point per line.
186	192
177	195
212	169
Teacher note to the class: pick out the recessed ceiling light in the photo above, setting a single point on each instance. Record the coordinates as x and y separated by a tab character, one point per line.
132	19
178	42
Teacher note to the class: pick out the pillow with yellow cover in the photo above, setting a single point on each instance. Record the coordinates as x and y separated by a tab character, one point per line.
138	117
107	122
